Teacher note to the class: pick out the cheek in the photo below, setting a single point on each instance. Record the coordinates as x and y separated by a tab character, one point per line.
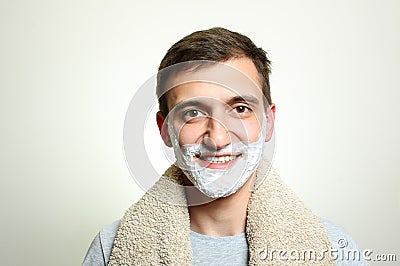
253	130
245	130
189	134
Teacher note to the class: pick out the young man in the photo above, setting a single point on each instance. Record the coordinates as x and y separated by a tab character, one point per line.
221	203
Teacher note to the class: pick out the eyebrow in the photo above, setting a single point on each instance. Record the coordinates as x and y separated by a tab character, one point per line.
185	104
244	98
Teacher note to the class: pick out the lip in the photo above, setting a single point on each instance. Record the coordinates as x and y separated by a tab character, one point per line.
203	162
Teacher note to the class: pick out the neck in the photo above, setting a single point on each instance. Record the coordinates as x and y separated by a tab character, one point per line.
218	217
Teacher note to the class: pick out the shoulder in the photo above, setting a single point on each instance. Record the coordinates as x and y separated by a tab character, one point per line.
101	246
344	249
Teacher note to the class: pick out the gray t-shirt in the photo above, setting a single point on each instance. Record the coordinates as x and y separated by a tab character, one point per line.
209	250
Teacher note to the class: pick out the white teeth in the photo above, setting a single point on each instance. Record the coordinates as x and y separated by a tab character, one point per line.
220	159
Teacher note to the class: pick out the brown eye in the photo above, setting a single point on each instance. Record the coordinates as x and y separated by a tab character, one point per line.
241	109
191	114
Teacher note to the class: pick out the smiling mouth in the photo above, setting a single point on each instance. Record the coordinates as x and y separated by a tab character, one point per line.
221	159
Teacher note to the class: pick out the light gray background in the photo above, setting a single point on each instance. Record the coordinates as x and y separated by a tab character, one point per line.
70	68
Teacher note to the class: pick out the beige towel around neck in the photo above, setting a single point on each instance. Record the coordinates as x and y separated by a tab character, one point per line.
156	229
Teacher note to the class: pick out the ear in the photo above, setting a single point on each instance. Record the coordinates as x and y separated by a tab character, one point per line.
270	122
163	129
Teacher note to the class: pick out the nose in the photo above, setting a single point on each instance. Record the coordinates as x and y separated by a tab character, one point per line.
217	135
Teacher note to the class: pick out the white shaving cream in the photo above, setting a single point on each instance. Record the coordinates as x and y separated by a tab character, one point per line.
216	183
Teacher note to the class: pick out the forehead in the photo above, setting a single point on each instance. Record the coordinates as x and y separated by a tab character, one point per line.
235	77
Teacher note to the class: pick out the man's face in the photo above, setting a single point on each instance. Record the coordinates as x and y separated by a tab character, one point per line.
212	115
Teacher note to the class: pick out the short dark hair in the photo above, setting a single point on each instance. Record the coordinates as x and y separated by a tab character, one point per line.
219	45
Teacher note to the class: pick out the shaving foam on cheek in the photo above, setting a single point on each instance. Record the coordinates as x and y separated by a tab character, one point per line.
216	183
